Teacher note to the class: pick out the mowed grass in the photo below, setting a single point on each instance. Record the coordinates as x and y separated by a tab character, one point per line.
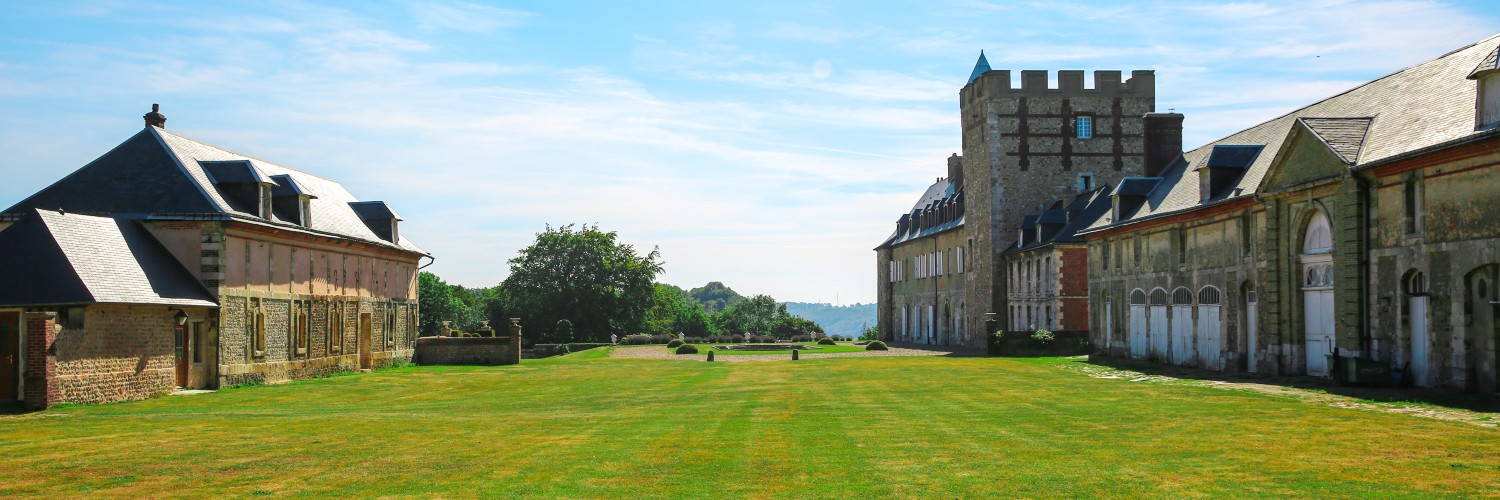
586	426
821	349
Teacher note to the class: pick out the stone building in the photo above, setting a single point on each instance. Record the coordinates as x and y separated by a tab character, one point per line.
170	263
1364	225
1023	149
1047	267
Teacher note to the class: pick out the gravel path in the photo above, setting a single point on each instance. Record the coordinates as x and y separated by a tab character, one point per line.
659	352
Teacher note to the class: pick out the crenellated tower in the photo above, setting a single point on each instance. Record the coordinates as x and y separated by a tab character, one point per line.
1026	147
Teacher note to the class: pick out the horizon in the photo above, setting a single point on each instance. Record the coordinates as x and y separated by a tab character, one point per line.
769	147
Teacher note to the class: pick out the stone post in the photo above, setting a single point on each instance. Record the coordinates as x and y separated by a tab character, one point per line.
41	361
515	338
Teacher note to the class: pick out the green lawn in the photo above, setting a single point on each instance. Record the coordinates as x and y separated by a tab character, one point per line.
822	349
586	426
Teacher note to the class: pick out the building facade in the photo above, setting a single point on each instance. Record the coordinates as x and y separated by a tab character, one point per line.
1357	231
1047	267
1023	148
291	275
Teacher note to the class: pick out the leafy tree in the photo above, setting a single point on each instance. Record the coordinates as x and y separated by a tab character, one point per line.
564	332
870	333
756	315
673	312
585	275
439	301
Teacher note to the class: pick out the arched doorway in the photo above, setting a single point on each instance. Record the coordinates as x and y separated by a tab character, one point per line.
1182	326
1420	344
1158	323
1482	328
1250	341
1210	329
1317	293
1137	331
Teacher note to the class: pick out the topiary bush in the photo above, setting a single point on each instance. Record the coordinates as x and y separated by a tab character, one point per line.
687	349
876	345
825	341
674	344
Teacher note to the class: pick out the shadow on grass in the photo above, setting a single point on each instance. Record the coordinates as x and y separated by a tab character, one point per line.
1444	397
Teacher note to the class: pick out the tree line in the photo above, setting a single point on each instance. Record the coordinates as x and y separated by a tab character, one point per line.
580	284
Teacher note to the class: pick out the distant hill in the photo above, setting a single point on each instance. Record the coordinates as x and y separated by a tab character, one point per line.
715	296
836	320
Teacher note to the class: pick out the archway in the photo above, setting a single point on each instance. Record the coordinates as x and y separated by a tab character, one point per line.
1419	347
1210	329
1182	326
1158	323
1317	293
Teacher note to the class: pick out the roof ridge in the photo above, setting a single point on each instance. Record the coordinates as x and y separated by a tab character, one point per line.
250	157
1294	112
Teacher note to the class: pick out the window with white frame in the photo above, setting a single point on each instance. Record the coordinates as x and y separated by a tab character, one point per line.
1083	126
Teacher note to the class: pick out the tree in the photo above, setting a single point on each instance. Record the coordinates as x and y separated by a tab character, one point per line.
673	312
755	315
438	301
715	297
870	333
586	276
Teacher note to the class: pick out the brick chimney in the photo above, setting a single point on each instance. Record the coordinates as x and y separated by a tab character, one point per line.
956	171
1163	141
155	118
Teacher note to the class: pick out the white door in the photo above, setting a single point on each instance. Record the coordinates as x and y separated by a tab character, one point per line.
1318	320
1182	335
1158	333
1137	331
1210	337
1417	305
1252	333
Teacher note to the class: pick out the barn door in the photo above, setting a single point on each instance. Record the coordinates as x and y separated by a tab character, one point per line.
1182	326
1252	331
1210	330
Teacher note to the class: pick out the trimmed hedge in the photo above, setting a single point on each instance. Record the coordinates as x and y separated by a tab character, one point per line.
825	341
687	349
674	344
876	345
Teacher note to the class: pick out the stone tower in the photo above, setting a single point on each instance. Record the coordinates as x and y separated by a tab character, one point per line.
1024	148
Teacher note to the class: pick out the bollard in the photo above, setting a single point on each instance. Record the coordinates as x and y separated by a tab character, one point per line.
710	355
794	354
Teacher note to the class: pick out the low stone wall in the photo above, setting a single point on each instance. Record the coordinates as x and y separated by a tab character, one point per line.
482	351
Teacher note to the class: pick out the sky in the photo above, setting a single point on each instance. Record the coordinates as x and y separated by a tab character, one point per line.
768	145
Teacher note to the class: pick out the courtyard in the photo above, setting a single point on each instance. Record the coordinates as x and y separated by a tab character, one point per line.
589	425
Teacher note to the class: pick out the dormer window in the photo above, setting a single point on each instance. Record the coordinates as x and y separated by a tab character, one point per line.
291	201
1487	96
379	218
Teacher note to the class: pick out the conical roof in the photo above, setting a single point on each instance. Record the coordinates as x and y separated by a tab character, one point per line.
980	67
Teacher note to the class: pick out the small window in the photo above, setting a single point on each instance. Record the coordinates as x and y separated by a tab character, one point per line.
70	317
1084	126
1085	183
1413	206
198	342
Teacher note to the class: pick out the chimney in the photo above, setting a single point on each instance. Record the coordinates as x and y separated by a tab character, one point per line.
1163	141
155	118
956	171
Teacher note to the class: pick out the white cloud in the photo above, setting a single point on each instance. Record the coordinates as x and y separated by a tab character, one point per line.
464	16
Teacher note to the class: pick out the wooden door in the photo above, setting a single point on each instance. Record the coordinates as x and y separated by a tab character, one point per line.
1252	334
366	357
1137	331
10	354
1109	331
1158	333
1318	325
1210	337
1182	335
180	344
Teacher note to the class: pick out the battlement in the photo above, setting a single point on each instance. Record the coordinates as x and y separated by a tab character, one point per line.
996	83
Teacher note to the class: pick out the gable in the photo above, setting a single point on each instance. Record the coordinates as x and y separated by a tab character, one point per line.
1303	158
136	177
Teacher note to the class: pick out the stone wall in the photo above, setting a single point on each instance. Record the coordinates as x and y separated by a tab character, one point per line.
502	349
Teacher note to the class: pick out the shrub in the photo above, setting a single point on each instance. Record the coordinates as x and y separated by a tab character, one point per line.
825	341
696	340
1043	337
687	349
876	345
636	339
737	338
674	344
662	338
801	337
563	349
761	339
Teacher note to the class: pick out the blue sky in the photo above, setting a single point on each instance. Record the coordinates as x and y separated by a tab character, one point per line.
769	145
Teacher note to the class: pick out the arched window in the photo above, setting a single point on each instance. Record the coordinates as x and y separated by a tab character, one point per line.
1137	297
1416	283
1182	296
1208	295
1159	297
1319	237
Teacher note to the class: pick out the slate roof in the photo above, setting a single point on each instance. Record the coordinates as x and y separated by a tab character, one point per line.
1490	63
160	174
937	192
55	258
1425	105
1086	207
1232	156
1345	136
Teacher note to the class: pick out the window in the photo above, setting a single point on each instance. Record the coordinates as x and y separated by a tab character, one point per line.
1413	206
1085	183
70	317
256	327
198	342
960	260
300	333
1083	125
1182	246
336	328
1104	256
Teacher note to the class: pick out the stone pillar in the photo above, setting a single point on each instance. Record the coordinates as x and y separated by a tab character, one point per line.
41	361
515	338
